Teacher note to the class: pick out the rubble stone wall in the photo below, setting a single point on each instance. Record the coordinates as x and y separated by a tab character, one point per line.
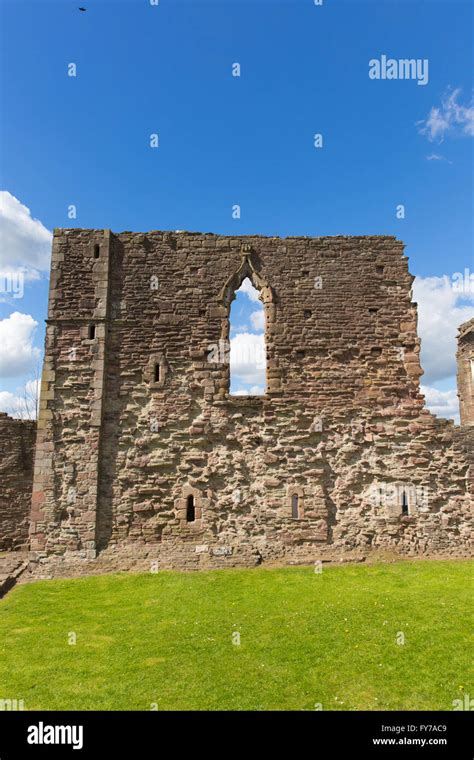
17	440
136	422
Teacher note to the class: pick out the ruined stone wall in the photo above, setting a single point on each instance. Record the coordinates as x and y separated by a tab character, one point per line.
122	446
465	359
17	439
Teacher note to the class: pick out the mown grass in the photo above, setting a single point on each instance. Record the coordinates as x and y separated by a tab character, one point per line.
306	639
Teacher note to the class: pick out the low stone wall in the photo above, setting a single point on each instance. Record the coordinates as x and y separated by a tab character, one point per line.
17	443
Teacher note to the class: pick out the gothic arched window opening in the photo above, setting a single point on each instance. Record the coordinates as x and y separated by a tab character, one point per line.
247	354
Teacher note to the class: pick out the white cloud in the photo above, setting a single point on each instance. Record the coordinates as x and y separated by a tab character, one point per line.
442	403
451	118
441	309
25	243
23	404
248	358
249	290
239	329
437	157
257	319
17	352
255	390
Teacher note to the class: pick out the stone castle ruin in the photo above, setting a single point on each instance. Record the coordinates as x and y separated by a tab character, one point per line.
142	452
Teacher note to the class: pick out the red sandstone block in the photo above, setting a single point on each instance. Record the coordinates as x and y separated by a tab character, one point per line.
37	498
36	515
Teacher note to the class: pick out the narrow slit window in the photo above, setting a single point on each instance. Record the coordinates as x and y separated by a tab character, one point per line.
96	251
157	373
190	509
295	507
91	332
404	503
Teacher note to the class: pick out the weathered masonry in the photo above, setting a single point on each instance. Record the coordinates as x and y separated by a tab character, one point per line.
17	440
141	451
465	358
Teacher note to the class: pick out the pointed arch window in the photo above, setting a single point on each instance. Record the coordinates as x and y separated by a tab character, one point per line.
246	329
247	349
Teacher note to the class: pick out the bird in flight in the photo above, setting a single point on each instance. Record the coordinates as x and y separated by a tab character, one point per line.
82	9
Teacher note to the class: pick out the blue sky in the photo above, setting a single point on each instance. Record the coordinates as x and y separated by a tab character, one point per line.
247	140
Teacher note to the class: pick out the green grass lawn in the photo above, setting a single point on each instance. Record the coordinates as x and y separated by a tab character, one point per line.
305	639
